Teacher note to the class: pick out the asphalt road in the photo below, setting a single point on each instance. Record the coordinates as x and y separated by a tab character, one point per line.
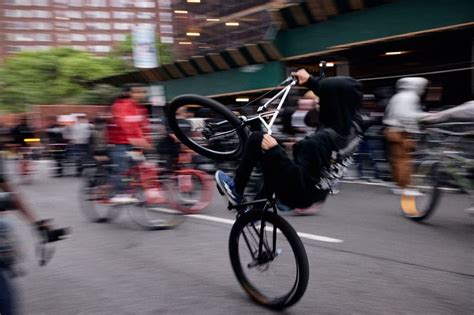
376	262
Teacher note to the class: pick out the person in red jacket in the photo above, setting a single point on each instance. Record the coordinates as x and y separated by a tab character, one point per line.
128	130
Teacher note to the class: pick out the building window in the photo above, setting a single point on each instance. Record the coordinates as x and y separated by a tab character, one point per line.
77	26
144	4
119	37
166	28
121	26
167	40
95	3
98	26
63	37
165	17
122	3
41	26
74	14
124	15
78	37
164	4
99	48
75	3
41	14
97	14
77	47
99	37
145	15
41	3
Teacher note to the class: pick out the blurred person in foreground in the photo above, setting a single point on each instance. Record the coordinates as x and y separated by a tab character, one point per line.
295	182
401	118
11	200
128	129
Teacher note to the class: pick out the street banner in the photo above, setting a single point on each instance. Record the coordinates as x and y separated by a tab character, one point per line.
144	48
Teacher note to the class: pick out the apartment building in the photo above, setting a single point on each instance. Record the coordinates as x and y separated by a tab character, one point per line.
88	25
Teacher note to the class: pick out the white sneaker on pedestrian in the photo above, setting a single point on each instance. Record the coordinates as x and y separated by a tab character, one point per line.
412	192
123	199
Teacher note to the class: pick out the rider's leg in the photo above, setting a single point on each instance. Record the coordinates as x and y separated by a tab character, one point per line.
251	155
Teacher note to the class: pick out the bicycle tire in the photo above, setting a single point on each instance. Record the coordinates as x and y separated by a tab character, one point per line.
428	181
94	207
156	216
255	289
195	198
226	147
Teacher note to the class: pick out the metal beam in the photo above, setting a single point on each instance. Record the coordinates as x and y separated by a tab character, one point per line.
187	67
219	61
298	15
202	63
270	50
173	71
237	57
256	53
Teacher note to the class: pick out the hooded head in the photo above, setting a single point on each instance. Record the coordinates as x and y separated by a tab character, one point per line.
340	99
415	84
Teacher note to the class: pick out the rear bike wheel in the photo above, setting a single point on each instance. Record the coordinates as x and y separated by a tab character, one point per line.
426	180
213	131
152	211
95	195
277	276
191	190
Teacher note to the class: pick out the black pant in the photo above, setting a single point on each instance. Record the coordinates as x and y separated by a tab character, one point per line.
282	176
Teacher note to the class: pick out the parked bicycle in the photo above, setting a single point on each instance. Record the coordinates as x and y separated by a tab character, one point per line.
266	253
448	162
162	198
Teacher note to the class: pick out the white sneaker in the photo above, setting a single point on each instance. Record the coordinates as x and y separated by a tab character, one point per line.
123	199
412	192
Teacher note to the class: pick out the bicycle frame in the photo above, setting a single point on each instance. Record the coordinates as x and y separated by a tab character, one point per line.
260	116
263	247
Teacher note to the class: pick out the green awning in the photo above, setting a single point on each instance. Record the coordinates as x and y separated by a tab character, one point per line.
226	82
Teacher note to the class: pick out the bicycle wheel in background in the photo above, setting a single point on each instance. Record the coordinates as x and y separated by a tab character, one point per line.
94	197
153	211
426	180
192	190
278	277
206	126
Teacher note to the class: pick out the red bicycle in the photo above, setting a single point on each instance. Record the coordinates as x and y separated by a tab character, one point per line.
162	197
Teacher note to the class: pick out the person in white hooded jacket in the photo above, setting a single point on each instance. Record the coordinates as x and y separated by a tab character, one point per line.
401	118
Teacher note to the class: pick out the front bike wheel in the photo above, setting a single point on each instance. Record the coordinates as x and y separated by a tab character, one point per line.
426	180
192	190
94	197
154	215
277	275
207	127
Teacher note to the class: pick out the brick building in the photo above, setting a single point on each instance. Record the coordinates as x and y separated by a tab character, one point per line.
89	25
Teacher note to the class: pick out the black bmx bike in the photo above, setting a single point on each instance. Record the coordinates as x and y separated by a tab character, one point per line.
266	253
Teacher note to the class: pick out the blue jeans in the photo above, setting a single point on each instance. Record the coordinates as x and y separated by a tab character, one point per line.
120	164
7	294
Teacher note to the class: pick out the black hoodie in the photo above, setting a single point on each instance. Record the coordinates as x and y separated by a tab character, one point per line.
340	100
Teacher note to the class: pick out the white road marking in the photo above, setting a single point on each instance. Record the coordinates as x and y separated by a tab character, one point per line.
313	237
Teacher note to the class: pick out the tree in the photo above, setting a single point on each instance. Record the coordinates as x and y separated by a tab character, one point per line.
124	51
50	77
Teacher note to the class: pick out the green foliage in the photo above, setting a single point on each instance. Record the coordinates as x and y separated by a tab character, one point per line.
124	51
50	77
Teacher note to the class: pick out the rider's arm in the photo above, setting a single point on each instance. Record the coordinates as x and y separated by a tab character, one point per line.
305	79
17	203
